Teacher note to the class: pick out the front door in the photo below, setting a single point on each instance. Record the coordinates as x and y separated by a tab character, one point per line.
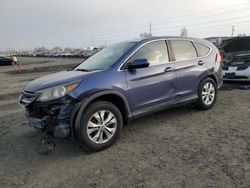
155	84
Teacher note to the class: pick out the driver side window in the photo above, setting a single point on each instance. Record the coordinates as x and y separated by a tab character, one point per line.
155	52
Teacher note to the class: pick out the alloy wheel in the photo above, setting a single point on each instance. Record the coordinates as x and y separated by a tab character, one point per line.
208	93
101	126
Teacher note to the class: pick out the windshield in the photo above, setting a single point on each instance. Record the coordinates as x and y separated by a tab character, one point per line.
105	58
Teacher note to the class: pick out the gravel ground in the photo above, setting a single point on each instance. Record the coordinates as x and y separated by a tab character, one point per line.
179	147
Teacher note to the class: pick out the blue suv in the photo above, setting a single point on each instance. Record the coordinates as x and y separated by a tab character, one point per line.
124	81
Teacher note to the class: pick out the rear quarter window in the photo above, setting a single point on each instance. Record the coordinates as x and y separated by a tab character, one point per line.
183	50
201	49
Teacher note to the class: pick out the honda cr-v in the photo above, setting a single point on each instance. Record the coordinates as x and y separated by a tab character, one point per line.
94	100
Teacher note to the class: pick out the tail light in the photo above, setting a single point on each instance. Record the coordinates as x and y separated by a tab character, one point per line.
219	57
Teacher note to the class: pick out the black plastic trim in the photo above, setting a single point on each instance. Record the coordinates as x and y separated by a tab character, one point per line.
163	106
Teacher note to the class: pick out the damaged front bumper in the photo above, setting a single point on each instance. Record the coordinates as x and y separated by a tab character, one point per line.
55	117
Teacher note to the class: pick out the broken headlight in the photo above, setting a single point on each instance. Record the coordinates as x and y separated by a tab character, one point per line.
56	91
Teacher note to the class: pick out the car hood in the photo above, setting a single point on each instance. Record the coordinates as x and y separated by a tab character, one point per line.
55	79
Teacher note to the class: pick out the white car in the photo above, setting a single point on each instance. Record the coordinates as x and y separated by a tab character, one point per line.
236	62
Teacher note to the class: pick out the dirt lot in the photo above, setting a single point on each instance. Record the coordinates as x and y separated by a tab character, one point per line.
180	147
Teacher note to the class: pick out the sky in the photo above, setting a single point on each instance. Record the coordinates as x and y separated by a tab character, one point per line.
26	24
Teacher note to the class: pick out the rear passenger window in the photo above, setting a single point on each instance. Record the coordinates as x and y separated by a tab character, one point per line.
183	50
201	49
155	52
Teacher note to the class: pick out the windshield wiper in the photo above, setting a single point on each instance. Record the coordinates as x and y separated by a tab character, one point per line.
84	70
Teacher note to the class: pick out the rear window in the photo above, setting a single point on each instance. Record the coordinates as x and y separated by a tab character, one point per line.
183	50
201	49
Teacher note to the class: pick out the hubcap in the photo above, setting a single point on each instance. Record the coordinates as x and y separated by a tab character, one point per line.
101	126
208	93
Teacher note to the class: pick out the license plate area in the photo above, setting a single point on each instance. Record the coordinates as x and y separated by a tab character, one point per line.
230	75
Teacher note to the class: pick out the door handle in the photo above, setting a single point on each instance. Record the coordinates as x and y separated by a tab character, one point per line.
168	69
201	62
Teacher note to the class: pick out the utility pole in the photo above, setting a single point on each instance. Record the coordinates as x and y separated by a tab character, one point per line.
150	29
233	29
92	38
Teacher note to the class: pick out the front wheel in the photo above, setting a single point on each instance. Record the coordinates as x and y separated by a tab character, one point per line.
101	125
207	94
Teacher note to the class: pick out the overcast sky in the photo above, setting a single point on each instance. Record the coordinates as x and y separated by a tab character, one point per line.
25	24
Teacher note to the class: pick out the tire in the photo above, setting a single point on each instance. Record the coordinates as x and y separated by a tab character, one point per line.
96	131
205	100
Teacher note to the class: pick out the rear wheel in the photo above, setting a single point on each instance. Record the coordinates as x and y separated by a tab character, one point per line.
207	94
101	125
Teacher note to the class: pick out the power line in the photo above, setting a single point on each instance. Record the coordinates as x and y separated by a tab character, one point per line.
196	24
189	26
127	28
228	30
211	28
217	25
205	17
206	29
213	21
131	31
200	27
222	26
184	17
123	29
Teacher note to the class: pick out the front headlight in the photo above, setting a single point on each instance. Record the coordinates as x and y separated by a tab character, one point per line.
56	92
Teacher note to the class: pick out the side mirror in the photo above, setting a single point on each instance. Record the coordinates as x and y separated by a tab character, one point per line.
138	63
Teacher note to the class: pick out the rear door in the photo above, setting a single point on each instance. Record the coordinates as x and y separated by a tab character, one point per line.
188	67
155	84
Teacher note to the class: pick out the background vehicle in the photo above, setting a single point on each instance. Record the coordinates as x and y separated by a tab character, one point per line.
217	40
236	62
5	60
121	82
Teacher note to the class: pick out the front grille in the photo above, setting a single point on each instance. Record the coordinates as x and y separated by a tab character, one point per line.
26	98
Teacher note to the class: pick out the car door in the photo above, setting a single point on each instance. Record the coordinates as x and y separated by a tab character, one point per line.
155	84
188	67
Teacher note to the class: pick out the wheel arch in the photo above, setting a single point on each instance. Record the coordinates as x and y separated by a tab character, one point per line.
116	98
200	103
212	76
208	74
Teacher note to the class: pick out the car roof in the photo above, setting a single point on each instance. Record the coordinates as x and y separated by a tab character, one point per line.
168	37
